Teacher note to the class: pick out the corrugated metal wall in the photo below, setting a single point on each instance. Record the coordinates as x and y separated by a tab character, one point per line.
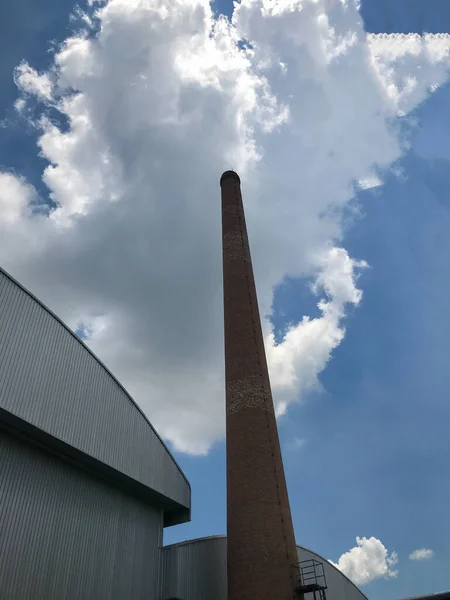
50	379
196	570
339	587
67	536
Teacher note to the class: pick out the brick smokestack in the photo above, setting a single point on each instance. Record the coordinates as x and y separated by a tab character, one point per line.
261	544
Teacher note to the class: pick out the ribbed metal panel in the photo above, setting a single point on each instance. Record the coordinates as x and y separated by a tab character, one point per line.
197	570
67	536
339	586
51	380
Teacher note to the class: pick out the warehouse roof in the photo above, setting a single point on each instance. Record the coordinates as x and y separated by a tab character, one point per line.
55	391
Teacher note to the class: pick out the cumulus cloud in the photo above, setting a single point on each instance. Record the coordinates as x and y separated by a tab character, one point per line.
158	97
297	361
421	554
16	196
367	561
398	60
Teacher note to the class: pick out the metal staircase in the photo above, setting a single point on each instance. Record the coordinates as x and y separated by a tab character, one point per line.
309	578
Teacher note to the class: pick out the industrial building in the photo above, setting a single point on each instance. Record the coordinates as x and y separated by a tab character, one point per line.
87	485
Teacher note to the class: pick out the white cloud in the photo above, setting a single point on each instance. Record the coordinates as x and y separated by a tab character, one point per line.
297	361
370	182
30	81
20	104
421	554
399	60
15	198
367	561
159	102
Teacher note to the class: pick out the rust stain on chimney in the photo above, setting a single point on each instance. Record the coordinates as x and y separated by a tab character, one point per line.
261	543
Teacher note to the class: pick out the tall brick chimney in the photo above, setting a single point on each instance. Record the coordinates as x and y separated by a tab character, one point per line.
261	543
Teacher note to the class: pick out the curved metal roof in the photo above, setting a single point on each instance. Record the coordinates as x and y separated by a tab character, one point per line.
434	596
173	547
55	390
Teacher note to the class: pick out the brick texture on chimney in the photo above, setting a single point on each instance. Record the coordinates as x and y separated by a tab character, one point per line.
261	543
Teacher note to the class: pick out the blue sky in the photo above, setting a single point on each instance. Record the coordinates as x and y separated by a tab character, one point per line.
376	457
376	454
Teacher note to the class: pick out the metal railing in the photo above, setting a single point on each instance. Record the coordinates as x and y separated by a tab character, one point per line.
310	573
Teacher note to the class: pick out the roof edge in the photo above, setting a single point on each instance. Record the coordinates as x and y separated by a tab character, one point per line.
86	347
335	568
174	513
210	537
195	540
433	596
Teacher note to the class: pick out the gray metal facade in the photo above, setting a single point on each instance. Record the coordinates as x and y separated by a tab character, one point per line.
67	532
339	586
196	570
51	380
67	536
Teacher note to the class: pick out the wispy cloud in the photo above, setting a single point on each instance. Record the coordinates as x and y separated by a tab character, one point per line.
295	444
421	554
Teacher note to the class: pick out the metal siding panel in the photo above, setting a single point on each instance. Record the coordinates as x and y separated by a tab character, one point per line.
46	366
339	586
10	344
197	570
50	379
37	367
66	535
